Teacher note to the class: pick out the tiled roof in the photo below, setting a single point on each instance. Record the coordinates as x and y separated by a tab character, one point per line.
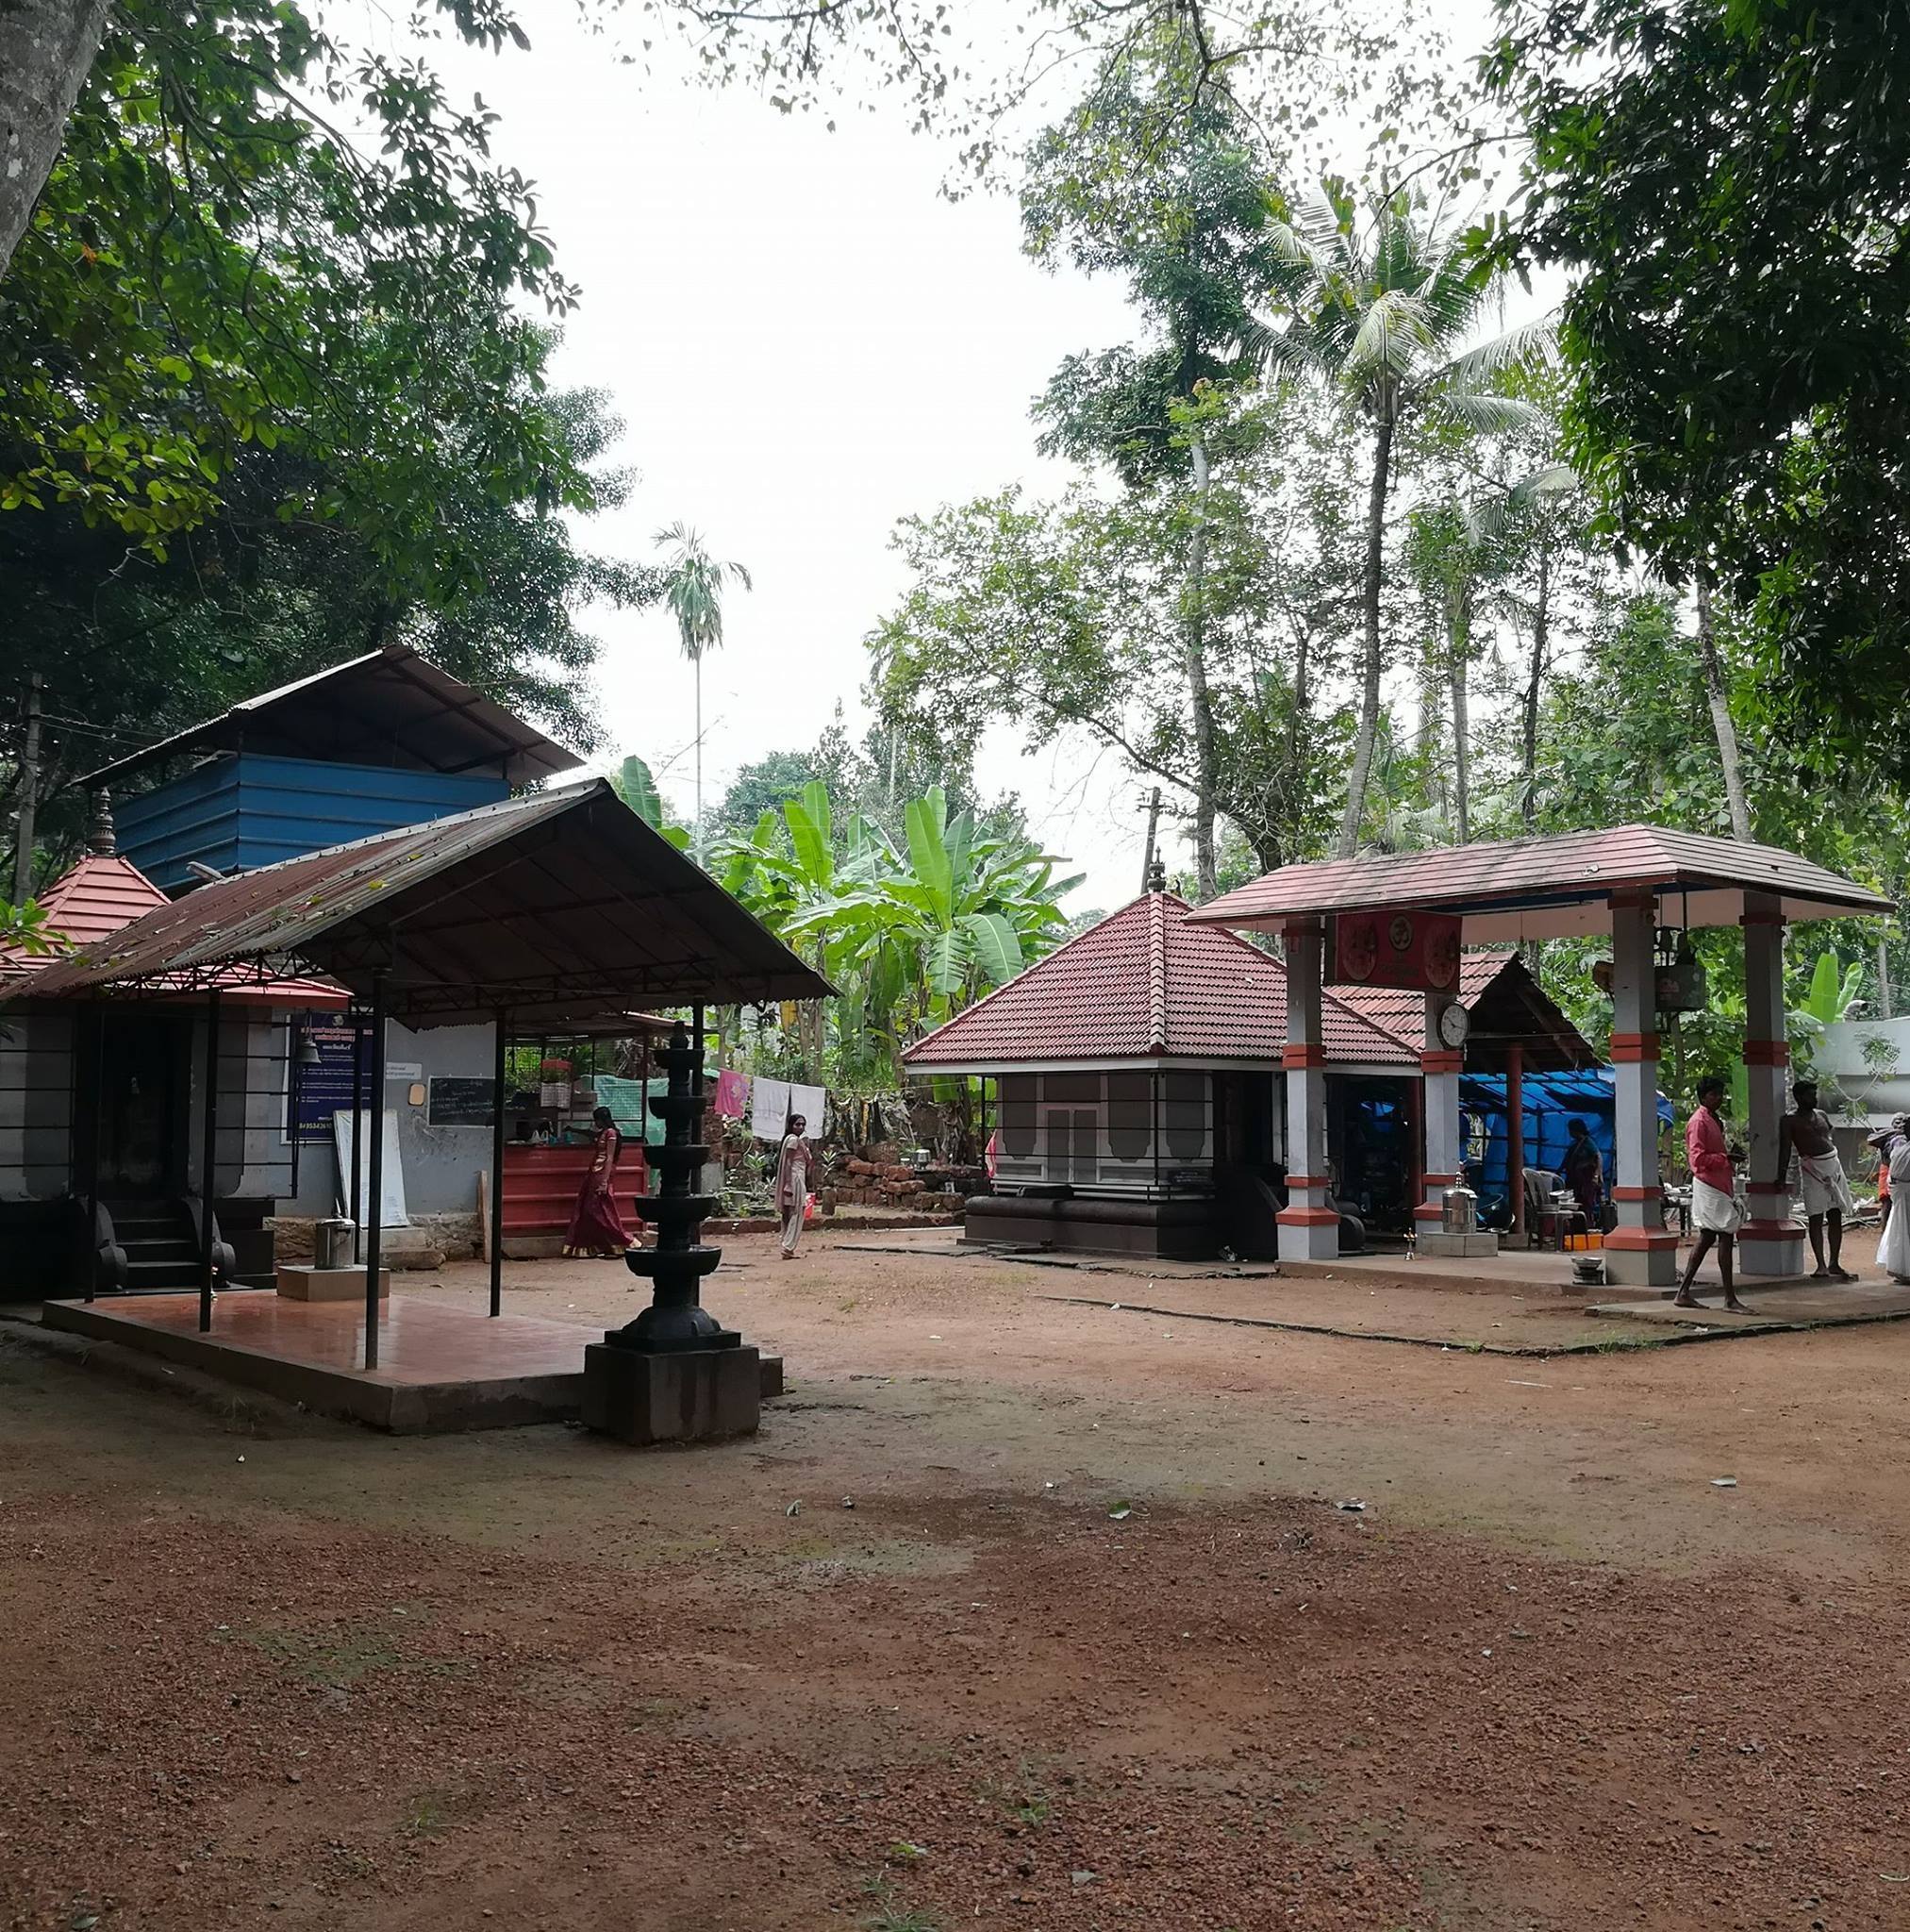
1403	1012
97	896
1147	984
1536	887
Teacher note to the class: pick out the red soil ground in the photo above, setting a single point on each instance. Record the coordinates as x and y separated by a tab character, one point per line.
268	1672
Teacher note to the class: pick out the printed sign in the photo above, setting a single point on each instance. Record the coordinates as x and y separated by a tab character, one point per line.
325	1090
1418	951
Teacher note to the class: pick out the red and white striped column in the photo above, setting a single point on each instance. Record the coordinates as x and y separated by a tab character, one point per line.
1769	1243
1639	1252
1439	1067
1309	1230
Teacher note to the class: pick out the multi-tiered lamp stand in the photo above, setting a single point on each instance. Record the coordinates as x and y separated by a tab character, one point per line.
675	1374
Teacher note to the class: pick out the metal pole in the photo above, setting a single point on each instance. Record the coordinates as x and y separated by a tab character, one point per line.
92	1137
29	795
355	1189
1515	1135
497	1165
293	1032
376	1180
208	1153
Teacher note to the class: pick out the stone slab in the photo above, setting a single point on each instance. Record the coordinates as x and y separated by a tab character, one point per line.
1458	1246
772	1383
684	1395
299	1283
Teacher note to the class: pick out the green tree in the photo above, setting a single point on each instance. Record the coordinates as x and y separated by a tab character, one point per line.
1726	183
693	584
1376	304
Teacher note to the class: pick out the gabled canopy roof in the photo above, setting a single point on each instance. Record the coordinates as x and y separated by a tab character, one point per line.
103	894
1517	888
388	708
1506	1004
1145	985
561	905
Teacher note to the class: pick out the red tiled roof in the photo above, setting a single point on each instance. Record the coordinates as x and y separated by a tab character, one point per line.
97	896
1403	1012
1538	888
1147	984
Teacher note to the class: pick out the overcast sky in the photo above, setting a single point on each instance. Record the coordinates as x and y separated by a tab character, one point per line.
806	340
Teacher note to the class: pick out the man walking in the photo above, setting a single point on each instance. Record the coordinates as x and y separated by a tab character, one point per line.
1714	1206
1805	1133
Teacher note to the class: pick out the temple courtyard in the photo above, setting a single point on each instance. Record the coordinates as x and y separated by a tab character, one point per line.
1036	1602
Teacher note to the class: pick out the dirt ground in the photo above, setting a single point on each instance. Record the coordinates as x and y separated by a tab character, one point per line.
1020	1612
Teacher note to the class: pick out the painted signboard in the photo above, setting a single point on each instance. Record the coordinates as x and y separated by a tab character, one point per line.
1419	951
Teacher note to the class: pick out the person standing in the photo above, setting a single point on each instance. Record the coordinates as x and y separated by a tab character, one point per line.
597	1228
795	1171
1585	1172
1714	1212
1893	1151
1805	1135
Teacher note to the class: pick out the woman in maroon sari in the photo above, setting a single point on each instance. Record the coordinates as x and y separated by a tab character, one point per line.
596	1224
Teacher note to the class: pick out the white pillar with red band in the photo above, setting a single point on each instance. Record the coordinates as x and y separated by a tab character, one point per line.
1309	1230
1770	1242
1640	1251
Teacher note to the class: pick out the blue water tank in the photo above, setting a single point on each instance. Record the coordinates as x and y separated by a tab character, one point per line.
245	811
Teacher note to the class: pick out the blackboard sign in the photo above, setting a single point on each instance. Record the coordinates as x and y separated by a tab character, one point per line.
460	1102
325	1090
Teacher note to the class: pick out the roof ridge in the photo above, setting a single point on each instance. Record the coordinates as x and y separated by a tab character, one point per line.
1156	973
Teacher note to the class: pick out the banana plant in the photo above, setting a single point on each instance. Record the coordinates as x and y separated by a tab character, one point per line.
635	784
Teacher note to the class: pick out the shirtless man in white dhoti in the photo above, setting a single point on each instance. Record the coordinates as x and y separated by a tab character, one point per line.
1714	1212
1826	1194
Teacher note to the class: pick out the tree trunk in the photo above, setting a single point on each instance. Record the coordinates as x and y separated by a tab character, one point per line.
1370	694
46	47
1721	718
1541	630
1459	631
1204	869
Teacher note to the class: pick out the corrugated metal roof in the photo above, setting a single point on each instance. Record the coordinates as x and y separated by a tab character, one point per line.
1545	888
388	708
103	894
563	905
1147	984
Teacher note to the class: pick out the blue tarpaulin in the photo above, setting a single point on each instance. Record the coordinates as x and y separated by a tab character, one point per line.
1553	1101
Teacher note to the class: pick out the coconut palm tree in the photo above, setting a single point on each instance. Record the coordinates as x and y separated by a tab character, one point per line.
693	584
1376	302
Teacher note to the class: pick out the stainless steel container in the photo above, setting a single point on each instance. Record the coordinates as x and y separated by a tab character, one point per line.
1459	1210
333	1243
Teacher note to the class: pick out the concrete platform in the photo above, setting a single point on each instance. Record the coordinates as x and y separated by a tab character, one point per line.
297	1282
1799	1303
439	1369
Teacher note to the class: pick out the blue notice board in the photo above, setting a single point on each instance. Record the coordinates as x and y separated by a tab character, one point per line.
325	1090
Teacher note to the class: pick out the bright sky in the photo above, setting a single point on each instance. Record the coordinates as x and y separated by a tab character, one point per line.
806	342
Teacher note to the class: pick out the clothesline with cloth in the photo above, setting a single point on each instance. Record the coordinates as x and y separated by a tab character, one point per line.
772	1103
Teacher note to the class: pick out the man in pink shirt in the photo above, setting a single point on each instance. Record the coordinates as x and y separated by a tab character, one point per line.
1714	1212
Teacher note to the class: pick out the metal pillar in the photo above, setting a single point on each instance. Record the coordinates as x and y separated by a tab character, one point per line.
1638	1250
207	1154
1770	1242
1514	1134
375	1183
1308	1228
90	1248
354	1185
496	1243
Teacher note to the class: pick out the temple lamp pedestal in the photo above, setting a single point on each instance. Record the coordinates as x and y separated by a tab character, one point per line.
675	1374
